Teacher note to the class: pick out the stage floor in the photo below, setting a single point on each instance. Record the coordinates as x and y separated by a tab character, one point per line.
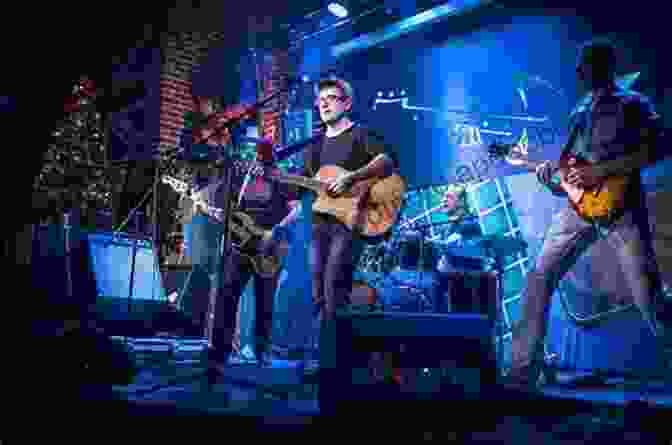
281	394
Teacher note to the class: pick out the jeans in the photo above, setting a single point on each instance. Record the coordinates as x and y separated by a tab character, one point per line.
568	237
236	271
334	254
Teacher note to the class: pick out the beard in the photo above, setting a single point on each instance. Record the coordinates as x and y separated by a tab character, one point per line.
333	118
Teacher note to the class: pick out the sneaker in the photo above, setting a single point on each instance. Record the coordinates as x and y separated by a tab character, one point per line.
265	359
245	356
311	366
526	377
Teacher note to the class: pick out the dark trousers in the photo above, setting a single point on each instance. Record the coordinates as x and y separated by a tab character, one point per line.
334	253
237	272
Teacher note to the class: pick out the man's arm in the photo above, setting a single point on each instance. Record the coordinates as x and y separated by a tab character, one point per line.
647	123
281	230
380	166
382	163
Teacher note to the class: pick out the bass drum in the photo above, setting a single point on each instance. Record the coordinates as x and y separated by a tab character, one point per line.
415	253
405	299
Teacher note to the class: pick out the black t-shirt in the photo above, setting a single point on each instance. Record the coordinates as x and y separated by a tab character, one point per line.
351	150
264	200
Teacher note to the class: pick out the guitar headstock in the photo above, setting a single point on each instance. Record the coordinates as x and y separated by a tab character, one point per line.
176	184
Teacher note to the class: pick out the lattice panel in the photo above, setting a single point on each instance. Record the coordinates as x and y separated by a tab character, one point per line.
497	216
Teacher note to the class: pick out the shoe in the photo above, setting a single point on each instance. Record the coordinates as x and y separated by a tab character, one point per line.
265	359
244	357
530	376
311	366
218	355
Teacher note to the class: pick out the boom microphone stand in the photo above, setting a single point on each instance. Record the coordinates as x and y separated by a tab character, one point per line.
224	247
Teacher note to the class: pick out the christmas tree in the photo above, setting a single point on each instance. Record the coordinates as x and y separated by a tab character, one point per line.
73	175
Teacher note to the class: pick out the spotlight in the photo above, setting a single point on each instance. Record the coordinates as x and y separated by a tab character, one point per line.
338	10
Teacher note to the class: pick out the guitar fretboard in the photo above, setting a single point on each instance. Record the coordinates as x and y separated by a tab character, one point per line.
301	181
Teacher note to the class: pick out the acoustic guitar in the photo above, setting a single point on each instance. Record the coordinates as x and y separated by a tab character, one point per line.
595	204
371	206
247	237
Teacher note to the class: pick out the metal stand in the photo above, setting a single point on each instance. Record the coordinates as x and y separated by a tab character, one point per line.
134	252
424	303
68	223
498	270
224	248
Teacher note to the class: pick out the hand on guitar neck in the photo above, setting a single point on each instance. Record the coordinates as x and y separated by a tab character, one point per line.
595	196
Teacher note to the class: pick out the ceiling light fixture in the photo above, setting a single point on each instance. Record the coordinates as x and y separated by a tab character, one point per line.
338	10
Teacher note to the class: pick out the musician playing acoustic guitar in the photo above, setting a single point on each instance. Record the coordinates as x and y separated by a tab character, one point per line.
335	248
615	130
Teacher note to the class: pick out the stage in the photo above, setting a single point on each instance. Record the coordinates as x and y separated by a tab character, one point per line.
282	398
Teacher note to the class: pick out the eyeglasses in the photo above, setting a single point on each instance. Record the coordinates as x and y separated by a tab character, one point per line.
331	98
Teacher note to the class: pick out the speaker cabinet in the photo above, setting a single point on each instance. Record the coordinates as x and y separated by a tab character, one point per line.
459	348
112	277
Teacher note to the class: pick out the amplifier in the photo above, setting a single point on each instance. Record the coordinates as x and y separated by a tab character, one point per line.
445	355
114	277
468	292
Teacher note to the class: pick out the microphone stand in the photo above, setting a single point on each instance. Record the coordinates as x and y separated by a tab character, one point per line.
224	247
212	372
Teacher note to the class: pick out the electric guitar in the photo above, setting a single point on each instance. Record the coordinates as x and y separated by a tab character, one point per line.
595	204
247	237
371	205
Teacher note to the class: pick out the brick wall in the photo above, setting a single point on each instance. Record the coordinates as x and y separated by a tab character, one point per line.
182	54
274	71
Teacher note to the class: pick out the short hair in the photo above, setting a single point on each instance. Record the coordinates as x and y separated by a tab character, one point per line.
335	82
599	52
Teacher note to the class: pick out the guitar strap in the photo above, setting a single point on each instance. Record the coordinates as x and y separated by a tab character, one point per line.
316	157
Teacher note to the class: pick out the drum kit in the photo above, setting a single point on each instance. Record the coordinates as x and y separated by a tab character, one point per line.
404	272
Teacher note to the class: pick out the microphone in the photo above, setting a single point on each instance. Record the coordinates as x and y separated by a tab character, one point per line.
264	154
283	152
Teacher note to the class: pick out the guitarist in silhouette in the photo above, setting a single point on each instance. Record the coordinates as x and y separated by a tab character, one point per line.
267	204
615	130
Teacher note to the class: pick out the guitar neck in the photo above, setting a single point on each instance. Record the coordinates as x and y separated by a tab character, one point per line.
300	181
531	165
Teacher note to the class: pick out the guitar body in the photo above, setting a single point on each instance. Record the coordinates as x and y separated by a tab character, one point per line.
247	237
371	206
601	203
598	203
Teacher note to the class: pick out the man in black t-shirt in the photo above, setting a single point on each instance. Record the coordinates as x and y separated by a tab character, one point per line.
335	249
267	203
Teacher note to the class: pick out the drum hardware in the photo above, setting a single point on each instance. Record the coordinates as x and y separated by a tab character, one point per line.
497	248
425	304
